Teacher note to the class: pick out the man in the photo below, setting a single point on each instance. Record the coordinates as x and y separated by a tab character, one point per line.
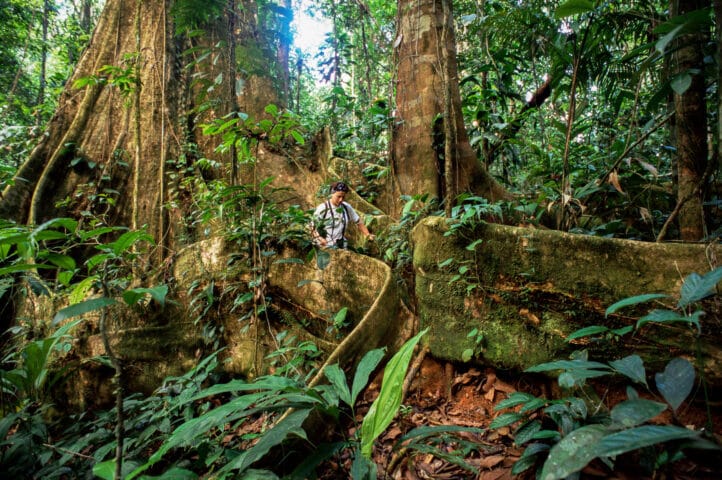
331	218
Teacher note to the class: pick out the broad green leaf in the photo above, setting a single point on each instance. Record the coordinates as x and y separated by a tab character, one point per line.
157	293
83	308
188	432
98	232
523	464
472	246
587	332
419	434
632	367
291	424
365	368
363	468
676	382
298	137
289	260
567	365
576	377
640	437
670	316
573	452
547	434
662	43
631	413
633	301
338	379
533	404
128	239
65	223
63	261
105	470
81	289
271	109
681	83
323	258
505	419
515	398
23	267
696	287
384	408
526	432
573	7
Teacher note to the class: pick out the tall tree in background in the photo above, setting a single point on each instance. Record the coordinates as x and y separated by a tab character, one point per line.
691	123
131	114
431	151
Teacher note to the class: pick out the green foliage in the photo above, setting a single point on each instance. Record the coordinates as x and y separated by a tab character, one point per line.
447	442
193	14
580	437
395	245
43	257
384	408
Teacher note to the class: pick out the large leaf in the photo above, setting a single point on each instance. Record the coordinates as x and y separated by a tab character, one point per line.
567	365
573	7
505	419
696	287
128	239
157	293
640	437
106	470
662	43
338	379
681	83
365	367
637	299
631	413
676	382
632	367
514	399
291	424
323	258
670	316
384	408
83	308
587	332
573	452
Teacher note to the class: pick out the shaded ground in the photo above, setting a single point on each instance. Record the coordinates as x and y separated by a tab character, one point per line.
442	395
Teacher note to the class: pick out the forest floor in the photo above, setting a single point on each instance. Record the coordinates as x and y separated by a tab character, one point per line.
442	395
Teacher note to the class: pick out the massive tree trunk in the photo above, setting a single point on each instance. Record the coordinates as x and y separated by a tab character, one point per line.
691	122
116	153
428	106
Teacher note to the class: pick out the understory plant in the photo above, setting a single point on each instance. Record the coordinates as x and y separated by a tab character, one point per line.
242	434
39	264
568	433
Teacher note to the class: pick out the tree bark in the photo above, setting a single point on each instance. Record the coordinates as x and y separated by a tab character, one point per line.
425	39
691	122
102	145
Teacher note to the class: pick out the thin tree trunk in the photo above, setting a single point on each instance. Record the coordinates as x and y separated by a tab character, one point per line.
43	63
691	123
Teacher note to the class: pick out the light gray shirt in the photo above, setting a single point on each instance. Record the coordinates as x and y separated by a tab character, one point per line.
330	222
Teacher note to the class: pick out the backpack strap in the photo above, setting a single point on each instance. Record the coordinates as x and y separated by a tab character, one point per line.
345	217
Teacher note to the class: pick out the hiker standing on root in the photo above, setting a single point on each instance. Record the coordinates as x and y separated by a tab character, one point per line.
331	218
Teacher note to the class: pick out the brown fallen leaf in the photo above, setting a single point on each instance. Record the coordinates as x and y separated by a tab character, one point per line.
491	461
